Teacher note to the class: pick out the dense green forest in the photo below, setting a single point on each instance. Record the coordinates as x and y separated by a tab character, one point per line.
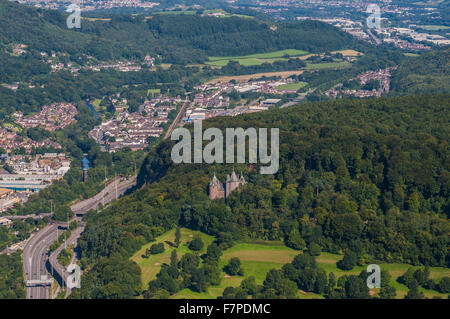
428	73
238	36
12	284
380	58
366	176
178	39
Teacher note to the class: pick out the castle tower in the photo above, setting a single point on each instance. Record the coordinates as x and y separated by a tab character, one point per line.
242	180
233	182
216	189
85	175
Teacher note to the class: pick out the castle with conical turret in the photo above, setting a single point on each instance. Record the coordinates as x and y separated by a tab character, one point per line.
216	189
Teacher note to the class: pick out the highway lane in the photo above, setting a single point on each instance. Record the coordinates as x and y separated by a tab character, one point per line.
35	259
53	259
104	196
35	217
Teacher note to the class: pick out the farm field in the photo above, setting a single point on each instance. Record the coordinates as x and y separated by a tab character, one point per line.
351	53
256	59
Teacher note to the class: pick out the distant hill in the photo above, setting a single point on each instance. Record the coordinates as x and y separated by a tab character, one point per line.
240	36
177	38
428	73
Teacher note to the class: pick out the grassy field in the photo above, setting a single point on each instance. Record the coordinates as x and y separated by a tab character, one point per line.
96	19
243	62
256	59
434	27
292	86
96	103
327	65
150	266
153	91
257	258
411	54
350	52
328	262
165	66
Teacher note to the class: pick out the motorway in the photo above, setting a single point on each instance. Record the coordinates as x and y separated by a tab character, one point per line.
23	217
35	253
58	269
34	260
113	190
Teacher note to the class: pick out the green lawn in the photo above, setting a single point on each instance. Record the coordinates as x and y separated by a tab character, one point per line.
292	86
327	65
328	262
256	59
244	62
412	54
434	27
187	12
257	258
151	266
96	102
153	91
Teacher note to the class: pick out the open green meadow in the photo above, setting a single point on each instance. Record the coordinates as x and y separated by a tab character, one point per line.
151	266
434	27
256	59
292	86
328	261
153	91
257	258
327	65
411	54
